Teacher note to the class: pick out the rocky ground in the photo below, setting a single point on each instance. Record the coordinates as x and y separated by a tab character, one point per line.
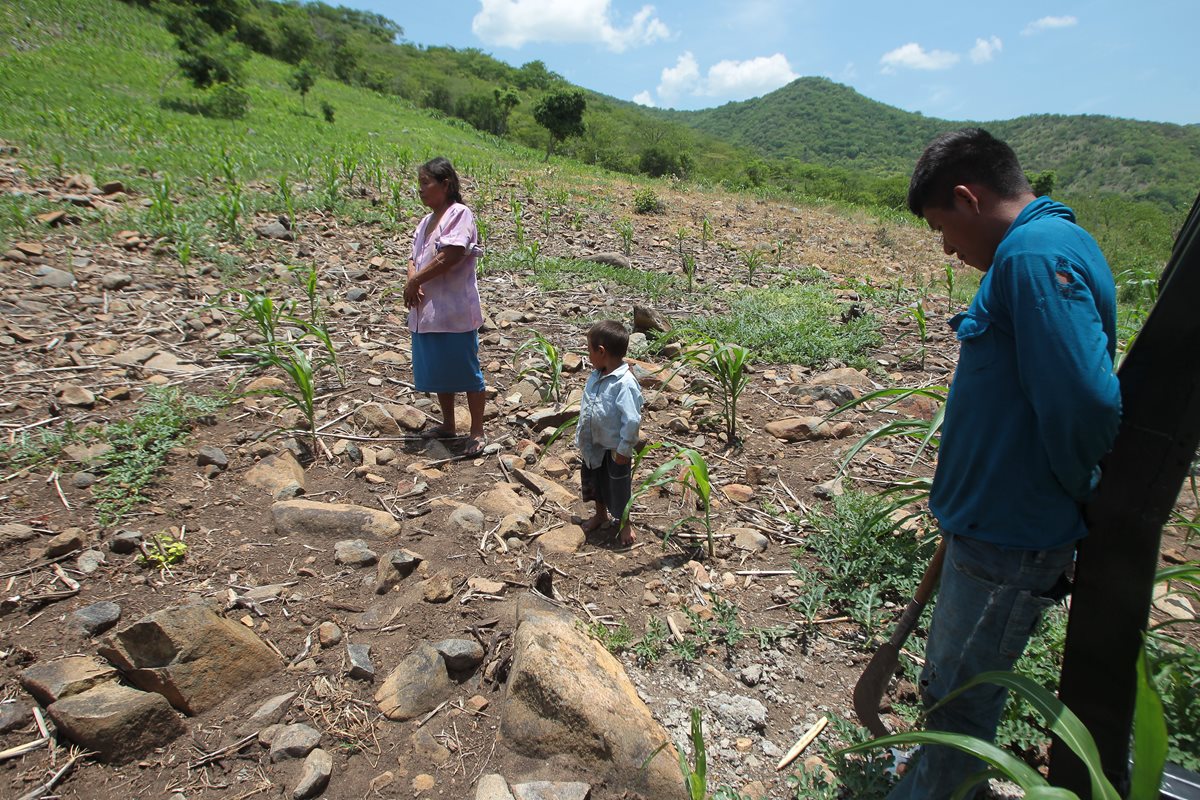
376	615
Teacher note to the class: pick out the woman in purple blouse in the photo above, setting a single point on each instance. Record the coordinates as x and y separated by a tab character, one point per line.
443	301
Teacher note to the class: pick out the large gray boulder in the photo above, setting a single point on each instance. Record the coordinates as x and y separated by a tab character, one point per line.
567	696
190	655
117	722
333	521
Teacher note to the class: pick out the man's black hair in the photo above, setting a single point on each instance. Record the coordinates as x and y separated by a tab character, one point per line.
611	335
971	155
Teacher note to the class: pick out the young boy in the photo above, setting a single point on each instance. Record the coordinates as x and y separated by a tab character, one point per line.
609	417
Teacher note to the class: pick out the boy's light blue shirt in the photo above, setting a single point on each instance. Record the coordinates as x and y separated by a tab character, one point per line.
609	415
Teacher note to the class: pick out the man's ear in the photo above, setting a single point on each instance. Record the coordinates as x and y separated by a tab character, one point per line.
967	195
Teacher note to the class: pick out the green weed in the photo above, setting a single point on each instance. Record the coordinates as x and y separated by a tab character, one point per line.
645	201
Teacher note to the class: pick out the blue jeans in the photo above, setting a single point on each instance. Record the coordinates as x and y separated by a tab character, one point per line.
989	601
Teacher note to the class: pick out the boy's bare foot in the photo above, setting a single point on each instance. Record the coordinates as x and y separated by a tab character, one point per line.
627	536
595	523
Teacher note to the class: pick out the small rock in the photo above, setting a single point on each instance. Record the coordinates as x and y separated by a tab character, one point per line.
125	542
112	187
116	280
329	634
547	790
96	618
14	716
117	722
65	542
742	714
357	294
314	777
305	518
611	259
426	746
269	713
294	741
208	454
829	489
437	589
738	492
394	567
274	230
281	475
748	539
354	553
76	396
567	539
416	686
751	675
485	585
423	782
467	518
460	655
83	480
49	277
492	787
361	668
89	561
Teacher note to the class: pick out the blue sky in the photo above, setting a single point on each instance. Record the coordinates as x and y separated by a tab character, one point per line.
954	60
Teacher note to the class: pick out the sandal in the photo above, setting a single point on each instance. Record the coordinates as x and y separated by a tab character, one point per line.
475	446
438	432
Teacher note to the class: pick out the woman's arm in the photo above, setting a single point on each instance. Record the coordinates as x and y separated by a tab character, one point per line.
446	259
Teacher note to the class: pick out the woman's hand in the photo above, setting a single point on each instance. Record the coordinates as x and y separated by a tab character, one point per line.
413	294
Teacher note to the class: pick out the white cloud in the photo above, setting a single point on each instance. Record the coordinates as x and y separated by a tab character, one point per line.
913	56
986	49
729	79
681	79
1049	23
748	78
512	23
644	99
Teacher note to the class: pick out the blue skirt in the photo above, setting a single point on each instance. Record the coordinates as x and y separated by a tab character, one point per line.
447	362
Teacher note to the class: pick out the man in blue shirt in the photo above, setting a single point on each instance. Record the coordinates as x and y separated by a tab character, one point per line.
1033	406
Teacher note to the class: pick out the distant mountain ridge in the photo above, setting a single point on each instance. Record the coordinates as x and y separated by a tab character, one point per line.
819	121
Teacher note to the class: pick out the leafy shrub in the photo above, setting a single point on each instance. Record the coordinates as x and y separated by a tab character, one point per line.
327	111
645	201
227	101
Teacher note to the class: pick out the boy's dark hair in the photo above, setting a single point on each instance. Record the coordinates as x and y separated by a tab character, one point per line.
440	169
971	155
611	335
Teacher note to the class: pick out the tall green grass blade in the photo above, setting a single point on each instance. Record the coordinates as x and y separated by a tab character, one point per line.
1149	736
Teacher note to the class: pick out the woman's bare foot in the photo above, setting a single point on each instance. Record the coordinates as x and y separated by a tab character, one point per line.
595	523
627	536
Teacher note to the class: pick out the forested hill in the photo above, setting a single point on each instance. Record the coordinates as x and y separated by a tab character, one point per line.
819	121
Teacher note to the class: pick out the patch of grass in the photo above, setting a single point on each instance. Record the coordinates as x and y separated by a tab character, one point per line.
649	649
554	274
794	325
865	557
140	447
32	447
615	640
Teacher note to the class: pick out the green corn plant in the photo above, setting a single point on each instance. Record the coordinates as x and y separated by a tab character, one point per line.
689	269
706	232
529	254
546	220
577	220
262	312
530	184
183	252
680	236
1149	741
949	287
917	312
331	185
752	259
514	205
624	229
288	199
726	364
293	362
548	364
686	468
695	777
350	165
927	432
308	280
161	213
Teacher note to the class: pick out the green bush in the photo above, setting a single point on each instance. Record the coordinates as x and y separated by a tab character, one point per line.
227	101
645	201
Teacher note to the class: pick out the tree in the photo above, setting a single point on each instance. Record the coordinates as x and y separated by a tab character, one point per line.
207	58
302	79
561	113
506	100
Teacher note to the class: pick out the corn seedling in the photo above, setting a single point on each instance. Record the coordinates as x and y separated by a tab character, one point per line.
726	364
927	432
686	468
288	199
689	269
577	220
1149	741
546	220
161	213
624	229
514	205
706	232
695	776
529	254
331	185
917	312
530	185
949	287
752	259
548	365
680	237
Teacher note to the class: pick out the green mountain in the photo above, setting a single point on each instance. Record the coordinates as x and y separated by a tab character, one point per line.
818	121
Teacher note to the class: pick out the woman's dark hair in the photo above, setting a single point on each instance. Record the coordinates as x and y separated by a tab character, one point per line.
442	171
971	155
611	335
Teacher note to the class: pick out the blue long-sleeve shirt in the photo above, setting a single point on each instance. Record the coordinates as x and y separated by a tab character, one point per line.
610	414
1034	403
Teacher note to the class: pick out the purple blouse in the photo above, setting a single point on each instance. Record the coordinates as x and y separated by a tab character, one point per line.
451	301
